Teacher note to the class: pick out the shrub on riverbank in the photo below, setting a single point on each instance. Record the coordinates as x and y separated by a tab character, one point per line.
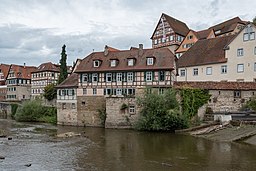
160	112
33	111
14	108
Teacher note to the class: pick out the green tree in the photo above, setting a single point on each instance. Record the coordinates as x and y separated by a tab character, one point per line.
50	92
63	65
254	20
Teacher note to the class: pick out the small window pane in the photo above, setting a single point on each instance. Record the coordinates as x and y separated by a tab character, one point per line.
240	67
209	71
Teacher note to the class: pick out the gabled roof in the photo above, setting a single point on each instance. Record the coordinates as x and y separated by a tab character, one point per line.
206	51
111	49
22	71
203	34
71	81
178	26
164	59
48	67
210	85
4	68
227	26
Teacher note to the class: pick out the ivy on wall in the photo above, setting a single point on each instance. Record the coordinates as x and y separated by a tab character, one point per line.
192	100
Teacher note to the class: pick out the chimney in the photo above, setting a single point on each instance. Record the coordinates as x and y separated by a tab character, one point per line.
24	65
106	51
140	49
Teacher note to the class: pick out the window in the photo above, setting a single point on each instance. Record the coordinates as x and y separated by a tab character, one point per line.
73	105
246	36
195	71
179	38
96	63
130	77
161	91
240	68
182	72
119	77
85	77
149	76
113	63
209	71
119	91
171	38
108	77
237	94
240	52
130	62
161	76
249	33
95	77
254	50
163	39
252	36
155	41
94	91
130	91
224	69
63	105
190	37
84	91
108	91
150	61
131	109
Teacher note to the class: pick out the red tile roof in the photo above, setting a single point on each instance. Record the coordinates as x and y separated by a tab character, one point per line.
164	59
111	49
22	71
206	51
4	68
227	26
178	26
48	67
71	81
203	34
217	85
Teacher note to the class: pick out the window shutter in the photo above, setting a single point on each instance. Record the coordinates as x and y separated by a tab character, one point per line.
153	75
124	91
90	78
105	77
134	76
104	91
159	75
124	76
113	77
145	76
81	76
114	91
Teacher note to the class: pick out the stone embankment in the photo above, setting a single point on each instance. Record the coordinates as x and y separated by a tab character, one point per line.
238	131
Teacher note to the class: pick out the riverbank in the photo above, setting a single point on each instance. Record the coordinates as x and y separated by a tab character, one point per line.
227	132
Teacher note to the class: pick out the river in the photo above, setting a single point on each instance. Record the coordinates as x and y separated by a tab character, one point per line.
116	150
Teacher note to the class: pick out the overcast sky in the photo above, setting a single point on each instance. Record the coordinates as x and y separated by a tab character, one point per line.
33	31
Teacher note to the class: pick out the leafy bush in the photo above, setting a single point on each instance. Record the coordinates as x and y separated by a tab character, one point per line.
50	92
160	112
14	108
249	105
33	111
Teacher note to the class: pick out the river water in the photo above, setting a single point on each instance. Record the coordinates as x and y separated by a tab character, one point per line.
116	150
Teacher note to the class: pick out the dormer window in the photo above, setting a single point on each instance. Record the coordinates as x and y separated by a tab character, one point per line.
96	63
113	62
190	37
217	32
130	62
150	61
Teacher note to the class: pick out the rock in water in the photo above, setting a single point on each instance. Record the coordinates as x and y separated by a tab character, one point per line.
2	157
28	165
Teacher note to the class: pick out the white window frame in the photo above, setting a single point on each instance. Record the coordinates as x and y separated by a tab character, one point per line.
246	37
182	72
119	77
108	77
132	109
252	35
240	52
94	77
113	63
118	91
149	76
130	62
224	69
208	70
96	63
85	76
150	61
195	71
129	76
240	68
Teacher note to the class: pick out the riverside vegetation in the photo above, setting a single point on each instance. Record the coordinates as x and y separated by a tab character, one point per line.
162	112
34	111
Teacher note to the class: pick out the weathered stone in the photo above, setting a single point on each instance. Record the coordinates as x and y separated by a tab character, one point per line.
67	135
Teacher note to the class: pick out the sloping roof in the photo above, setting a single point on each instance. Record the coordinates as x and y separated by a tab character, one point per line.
227	26
48	67
206	51
71	81
203	34
178	26
164	59
22	71
217	85
111	49
4	68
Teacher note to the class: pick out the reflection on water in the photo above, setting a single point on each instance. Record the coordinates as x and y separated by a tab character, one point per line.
108	149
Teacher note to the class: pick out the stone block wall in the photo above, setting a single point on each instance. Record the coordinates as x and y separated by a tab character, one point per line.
118	117
88	110
67	113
